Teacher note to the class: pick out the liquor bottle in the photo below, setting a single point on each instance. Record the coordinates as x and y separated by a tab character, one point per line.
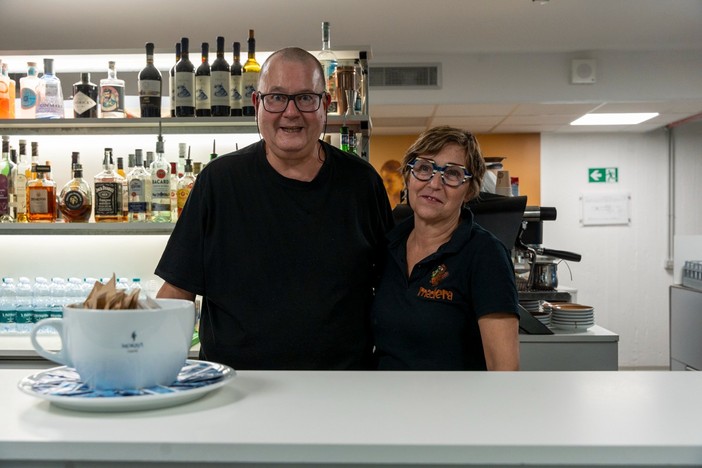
235	83
185	82
4	92
49	95
185	185
150	86
219	83
149	160
29	86
35	158
197	167
173	192
131	162
41	196
139	182
112	94
7	185
160	186
182	151
202	84
344	141
328	60
108	192
76	199
250	77
23	173
172	81
11	94
352	142
120	166
85	97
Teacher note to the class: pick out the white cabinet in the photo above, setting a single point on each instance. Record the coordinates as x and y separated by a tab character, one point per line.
685	326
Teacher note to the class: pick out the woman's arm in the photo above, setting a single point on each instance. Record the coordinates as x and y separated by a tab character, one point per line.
500	335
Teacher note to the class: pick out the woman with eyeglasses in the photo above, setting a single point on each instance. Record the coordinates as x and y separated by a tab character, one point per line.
447	298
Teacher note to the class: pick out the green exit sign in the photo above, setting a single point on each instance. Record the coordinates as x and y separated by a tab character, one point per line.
603	175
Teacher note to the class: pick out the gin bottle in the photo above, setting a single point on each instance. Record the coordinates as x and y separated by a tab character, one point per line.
202	84
150	86
85	97
236	89
29	87
219	83
112	94
139	182
7	171
108	192
49	95
160	186
328	60
252	70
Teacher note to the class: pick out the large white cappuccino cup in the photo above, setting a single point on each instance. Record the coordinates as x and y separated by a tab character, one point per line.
122	349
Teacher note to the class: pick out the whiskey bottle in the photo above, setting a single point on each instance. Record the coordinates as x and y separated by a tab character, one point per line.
112	94
85	97
185	185
150	86
185	82
108	192
250	77
139	182
160	186
235	83
219	83
172	82
202	84
41	196
328	60
76	199
28	93
7	172
23	173
49	94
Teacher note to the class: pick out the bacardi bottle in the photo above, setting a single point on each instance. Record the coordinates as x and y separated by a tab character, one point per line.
160	186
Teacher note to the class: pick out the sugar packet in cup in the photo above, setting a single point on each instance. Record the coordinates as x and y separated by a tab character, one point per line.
108	297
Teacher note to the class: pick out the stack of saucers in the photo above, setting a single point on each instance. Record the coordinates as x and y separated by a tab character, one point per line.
536	309
574	317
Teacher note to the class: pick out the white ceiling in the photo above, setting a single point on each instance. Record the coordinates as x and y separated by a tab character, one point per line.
393	28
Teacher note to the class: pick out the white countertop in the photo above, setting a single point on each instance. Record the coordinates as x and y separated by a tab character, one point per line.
419	418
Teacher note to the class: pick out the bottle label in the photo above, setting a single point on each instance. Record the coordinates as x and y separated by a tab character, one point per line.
38	200
183	193
236	88
219	91
107	198
150	88
28	98
202	92
160	191
137	196
112	98
74	200
249	85
4	194
21	192
82	103
184	89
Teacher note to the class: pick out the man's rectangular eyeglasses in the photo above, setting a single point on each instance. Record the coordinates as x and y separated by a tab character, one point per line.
277	102
452	175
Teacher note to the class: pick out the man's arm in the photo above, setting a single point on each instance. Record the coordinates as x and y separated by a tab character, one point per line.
172	292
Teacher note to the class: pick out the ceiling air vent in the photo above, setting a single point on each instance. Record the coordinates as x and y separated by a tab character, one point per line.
405	76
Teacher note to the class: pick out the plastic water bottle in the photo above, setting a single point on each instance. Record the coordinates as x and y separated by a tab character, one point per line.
25	311
58	297
74	291
41	300
8	309
136	284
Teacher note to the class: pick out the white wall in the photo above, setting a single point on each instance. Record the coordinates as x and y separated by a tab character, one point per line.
622	273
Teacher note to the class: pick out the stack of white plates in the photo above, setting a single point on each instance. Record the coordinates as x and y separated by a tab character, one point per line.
536	309
575	317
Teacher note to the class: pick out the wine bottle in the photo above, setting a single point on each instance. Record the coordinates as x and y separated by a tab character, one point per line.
185	82
328	60
252	69
236	89
219	83
112	94
202	84
85	98
172	83
150	86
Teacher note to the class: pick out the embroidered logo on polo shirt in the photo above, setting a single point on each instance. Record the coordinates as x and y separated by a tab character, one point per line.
438	275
